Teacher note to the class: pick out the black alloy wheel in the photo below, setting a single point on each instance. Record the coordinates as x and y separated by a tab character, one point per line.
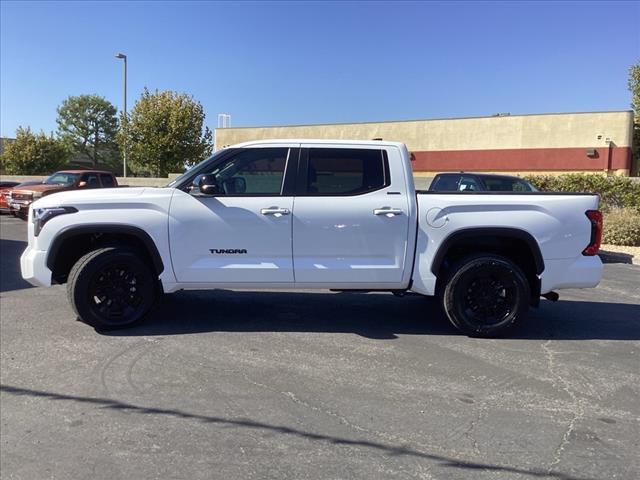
111	288
486	295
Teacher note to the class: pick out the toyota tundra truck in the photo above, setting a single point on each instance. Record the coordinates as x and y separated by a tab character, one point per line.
313	214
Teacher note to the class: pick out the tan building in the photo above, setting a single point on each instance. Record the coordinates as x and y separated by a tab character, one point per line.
555	142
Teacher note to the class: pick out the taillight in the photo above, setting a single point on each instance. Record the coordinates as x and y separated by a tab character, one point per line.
595	217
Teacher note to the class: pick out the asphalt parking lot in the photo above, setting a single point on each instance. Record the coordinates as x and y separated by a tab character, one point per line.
243	385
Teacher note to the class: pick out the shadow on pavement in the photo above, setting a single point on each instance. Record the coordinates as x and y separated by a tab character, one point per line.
10	278
239	423
377	316
615	257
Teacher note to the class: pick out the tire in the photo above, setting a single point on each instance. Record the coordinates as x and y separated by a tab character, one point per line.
111	288
485	295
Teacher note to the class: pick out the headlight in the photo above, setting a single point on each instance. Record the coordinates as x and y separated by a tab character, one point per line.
43	215
36	195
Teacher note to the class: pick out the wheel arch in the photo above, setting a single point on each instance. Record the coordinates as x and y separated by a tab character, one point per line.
506	241
85	237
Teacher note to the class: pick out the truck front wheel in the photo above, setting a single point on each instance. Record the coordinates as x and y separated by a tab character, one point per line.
485	295
111	287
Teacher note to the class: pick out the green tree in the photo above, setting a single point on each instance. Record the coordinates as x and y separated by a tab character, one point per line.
164	133
634	87
88	125
34	154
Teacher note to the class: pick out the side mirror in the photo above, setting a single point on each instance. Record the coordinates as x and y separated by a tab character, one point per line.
207	184
82	184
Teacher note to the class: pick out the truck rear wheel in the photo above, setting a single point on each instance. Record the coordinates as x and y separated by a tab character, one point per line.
485	295
111	288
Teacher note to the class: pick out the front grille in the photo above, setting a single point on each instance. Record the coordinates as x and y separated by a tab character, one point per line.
21	196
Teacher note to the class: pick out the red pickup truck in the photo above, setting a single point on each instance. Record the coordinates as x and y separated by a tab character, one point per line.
21	198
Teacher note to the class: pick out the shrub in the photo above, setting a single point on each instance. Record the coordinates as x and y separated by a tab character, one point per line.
622	227
615	192
33	154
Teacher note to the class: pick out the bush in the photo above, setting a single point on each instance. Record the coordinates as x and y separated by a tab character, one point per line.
622	227
33	154
615	192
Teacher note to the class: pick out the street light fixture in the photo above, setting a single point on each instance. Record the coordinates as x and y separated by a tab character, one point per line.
124	153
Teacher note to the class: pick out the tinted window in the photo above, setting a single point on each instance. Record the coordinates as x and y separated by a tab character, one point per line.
62	178
107	180
254	171
468	184
445	183
91	179
346	171
497	184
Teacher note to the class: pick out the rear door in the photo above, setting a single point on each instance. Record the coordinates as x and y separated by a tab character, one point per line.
351	221
243	235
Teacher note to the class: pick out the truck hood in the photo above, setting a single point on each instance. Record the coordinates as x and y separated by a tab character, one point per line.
102	197
39	188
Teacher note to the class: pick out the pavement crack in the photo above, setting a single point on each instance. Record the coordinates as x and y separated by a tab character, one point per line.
578	407
382	435
469	432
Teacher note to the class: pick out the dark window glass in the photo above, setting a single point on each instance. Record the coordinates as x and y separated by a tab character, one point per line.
446	183
91	179
62	178
468	184
345	171
107	180
497	184
254	171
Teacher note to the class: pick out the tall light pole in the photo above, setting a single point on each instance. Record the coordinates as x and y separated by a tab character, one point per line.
124	153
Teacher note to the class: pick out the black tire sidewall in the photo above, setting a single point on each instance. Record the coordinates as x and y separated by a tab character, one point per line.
89	266
468	266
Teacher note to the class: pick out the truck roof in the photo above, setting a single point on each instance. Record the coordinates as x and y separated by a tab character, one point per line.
83	171
318	141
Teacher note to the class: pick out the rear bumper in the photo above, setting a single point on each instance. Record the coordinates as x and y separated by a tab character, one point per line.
580	272
33	266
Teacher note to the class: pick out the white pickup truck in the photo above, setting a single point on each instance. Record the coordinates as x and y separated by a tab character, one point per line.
313	214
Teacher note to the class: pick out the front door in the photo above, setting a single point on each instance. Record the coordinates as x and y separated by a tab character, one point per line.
243	234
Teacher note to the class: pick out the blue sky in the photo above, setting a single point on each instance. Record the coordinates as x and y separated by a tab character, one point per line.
290	63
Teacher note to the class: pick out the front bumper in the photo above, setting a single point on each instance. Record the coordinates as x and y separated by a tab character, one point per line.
33	266
20	206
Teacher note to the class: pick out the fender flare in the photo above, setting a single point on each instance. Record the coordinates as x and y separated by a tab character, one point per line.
475	233
96	228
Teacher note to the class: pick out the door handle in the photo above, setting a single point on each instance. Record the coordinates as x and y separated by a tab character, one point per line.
275	211
389	212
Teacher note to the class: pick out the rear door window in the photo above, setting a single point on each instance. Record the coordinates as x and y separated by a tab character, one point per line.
107	180
91	179
345	171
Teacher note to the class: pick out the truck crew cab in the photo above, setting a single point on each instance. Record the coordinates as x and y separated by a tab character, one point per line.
308	214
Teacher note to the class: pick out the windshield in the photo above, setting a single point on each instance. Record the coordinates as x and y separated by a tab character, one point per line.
191	170
62	178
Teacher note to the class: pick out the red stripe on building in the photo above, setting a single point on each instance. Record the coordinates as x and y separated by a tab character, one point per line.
524	159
